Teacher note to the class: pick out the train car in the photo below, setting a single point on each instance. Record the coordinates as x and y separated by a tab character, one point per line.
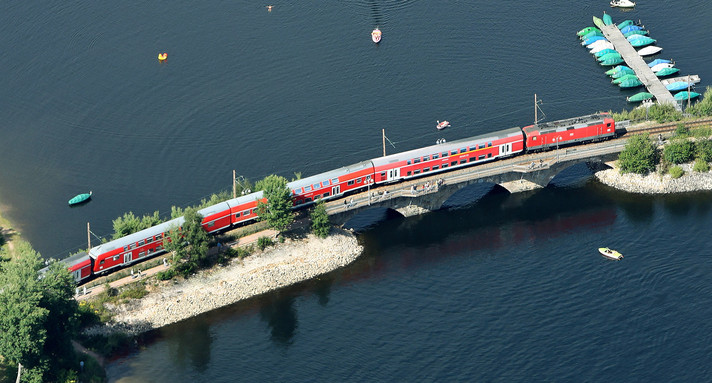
448	155
243	209
569	131
331	184
79	265
216	217
131	248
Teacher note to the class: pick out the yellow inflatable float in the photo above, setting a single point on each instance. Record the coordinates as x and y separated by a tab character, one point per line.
162	56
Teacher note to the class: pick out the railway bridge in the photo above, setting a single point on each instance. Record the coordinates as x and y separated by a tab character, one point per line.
521	173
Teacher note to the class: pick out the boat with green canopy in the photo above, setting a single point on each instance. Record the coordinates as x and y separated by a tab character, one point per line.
622	72
638	97
684	95
598	22
609	56
643	41
617	69
607	19
666	72
587	30
611	61
625	23
80	198
604	52
595	33
624	78
630	83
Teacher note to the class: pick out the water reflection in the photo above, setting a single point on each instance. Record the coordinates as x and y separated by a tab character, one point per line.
322	289
280	315
190	343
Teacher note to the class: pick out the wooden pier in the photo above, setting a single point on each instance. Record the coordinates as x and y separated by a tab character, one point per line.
638	65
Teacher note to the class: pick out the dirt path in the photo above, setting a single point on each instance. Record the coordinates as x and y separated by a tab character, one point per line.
83	350
96	290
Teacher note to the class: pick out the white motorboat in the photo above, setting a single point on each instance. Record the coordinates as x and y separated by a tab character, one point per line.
649	50
661	66
376	35
610	253
691	79
442	124
601	47
622	3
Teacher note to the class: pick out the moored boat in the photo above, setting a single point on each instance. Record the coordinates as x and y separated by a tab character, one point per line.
641	32
598	22
624	78
80	198
599	46
658	67
692	79
587	30
376	35
622	73
631	83
649	51
442	124
631	28
608	56
591	34
617	69
659	61
625	23
678	85
638	97
641	42
666	72
685	95
622	3
607	19
610	253
592	40
611	61
604	52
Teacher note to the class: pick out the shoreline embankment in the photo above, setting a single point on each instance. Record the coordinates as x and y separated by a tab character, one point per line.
656	183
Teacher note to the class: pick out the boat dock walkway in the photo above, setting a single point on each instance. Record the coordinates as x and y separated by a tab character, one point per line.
638	65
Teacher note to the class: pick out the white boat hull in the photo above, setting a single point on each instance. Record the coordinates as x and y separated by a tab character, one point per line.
649	50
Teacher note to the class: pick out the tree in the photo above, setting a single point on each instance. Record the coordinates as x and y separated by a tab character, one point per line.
189	242
679	151
320	220
638	156
37	315
278	209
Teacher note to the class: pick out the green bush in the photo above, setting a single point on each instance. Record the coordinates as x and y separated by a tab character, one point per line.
703	132
135	291
264	242
701	166
676	172
638	156
679	152
682	130
664	113
702	108
320	220
165	275
703	150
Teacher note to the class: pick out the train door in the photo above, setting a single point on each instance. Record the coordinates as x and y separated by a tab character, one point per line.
77	274
393	174
505	149
127	257
336	190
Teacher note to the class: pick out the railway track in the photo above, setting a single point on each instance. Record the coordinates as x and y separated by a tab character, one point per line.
668	127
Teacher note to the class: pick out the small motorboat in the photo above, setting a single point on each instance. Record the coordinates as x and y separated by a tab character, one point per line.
607	19
649	51
592	40
610	253
376	35
591	34
667	72
618	69
692	79
625	23
658	67
587	30
622	3
685	95
641	32
641	42
624	78
80	198
611	61
658	61
442	124
598	22
622	72
609	56
604	52
630	83
162	56
631	28
678	85
599	46
638	97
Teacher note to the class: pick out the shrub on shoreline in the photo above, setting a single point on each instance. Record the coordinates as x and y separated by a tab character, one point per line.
676	172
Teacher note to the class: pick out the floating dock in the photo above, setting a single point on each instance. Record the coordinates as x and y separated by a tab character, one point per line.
638	65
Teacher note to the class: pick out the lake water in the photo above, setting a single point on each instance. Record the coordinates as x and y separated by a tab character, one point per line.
510	288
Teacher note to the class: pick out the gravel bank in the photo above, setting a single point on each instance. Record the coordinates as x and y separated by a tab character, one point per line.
654	183
287	263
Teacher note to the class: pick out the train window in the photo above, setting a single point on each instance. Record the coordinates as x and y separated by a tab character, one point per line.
481	146
334	180
101	262
417	171
426	158
444	154
141	242
326	194
358	181
436	167
149	240
454	152
149	251
570	128
409	173
426	170
246	212
453	163
211	224
350	182
408	162
489	155
489	144
131	246
383	175
116	258
307	189
436	156
315	186
368	177
482	157
462	161
417	160
326	183
141	254
444	166
237	215
308	200
126	248
463	150
534	138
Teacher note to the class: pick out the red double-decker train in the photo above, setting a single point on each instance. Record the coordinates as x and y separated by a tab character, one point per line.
336	183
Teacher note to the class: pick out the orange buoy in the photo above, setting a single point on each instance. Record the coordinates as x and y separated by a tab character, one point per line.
162	56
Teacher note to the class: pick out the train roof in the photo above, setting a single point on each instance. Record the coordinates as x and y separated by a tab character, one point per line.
575	122
75	259
330	174
243	199
446	146
135	237
213	209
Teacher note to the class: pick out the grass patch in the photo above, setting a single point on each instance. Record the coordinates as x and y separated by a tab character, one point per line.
701	166
676	172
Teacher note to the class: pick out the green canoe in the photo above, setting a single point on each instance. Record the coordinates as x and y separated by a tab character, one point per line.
607	19
598	22
631	83
588	30
622	72
666	72
624	78
638	97
79	198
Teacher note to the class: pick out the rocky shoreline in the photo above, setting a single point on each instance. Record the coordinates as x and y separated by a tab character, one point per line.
655	183
285	264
